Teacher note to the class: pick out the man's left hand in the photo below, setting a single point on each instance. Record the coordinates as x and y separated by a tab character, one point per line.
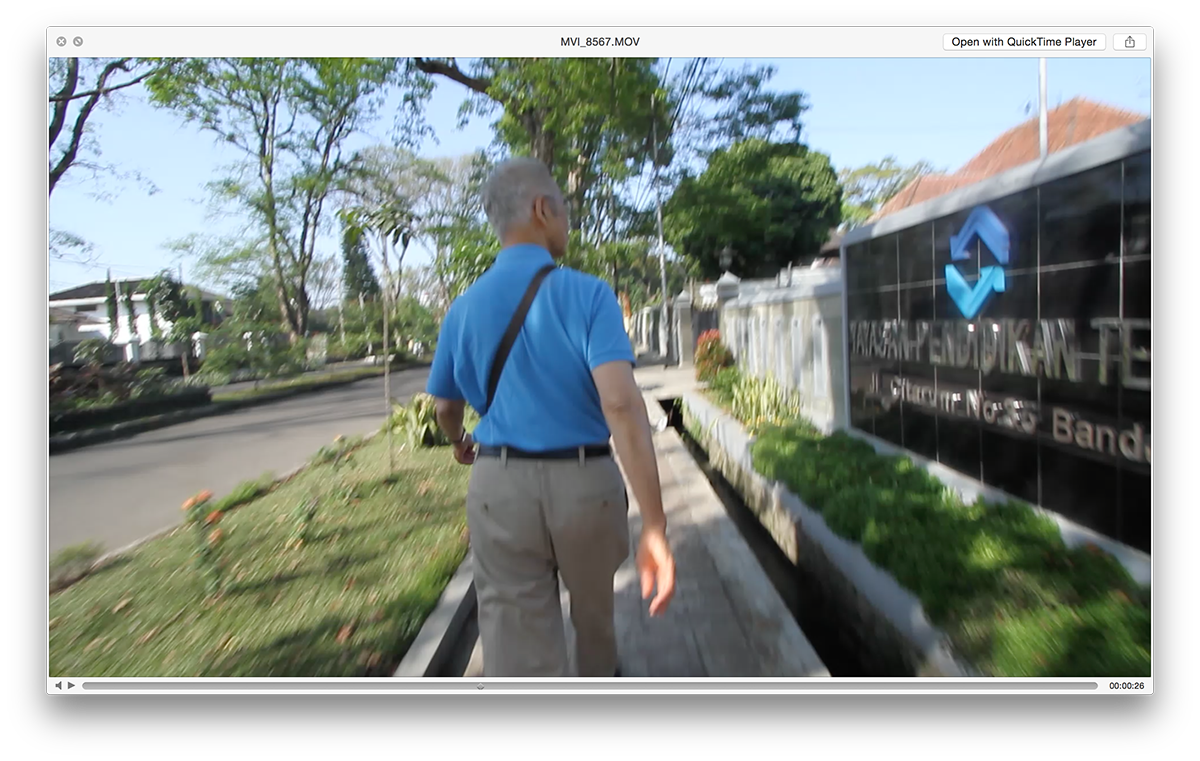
464	451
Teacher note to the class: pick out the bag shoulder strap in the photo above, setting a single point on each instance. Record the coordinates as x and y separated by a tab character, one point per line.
514	328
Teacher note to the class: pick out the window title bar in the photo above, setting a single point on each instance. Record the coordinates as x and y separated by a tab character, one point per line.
598	41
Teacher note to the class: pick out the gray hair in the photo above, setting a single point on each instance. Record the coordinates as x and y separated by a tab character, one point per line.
508	195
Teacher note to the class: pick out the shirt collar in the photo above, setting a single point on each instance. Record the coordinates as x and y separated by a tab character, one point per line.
524	252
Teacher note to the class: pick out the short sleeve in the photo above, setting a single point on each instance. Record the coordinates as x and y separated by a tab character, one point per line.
607	339
441	381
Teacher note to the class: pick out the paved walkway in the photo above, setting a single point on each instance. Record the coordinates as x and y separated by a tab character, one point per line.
726	620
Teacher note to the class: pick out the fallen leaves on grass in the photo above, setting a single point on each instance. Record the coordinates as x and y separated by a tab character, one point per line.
349	584
122	605
344	633
55	622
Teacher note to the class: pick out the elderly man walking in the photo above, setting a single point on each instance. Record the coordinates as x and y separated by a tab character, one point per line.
540	351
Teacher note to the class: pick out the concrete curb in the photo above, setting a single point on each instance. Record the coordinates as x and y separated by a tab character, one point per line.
887	599
77	440
434	643
109	557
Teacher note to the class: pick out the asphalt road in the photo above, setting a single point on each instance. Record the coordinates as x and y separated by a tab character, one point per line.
118	492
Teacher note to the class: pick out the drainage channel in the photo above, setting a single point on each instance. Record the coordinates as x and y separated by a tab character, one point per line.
819	617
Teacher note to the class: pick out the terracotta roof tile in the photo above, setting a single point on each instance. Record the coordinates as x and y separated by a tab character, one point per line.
1076	121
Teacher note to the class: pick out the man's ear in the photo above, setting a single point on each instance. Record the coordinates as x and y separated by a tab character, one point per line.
542	210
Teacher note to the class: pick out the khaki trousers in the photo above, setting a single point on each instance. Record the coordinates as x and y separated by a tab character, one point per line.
532	521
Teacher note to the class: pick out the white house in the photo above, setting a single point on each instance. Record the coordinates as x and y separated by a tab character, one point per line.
69	326
89	306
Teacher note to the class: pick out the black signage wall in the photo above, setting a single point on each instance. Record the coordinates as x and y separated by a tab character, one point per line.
1011	342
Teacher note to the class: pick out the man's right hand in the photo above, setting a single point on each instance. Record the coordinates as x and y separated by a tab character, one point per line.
656	567
464	451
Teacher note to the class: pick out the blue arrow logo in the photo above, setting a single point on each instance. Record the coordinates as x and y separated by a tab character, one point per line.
971	300
984	223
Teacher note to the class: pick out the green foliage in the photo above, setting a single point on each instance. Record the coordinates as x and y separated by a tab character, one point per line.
772	203
585	118
202	516
70	563
867	188
997	578
357	275
92	351
290	118
468	248
245	492
416	422
712	356
758	402
169	299
130	313
110	302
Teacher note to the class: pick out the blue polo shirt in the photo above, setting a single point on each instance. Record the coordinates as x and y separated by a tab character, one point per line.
546	398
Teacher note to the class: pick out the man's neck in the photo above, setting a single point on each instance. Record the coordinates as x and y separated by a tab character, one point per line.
521	240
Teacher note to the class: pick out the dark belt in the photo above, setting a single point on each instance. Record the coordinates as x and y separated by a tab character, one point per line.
588	452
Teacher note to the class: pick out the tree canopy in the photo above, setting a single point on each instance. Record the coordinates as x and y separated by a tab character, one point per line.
772	203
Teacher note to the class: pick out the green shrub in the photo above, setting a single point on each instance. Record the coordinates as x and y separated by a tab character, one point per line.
996	577
69	563
416	422
711	356
758	402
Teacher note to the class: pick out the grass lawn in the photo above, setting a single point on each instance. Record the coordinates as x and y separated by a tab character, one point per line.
998	579
271	387
348	601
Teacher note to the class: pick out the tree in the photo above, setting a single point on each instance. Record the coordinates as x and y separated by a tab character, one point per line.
291	118
77	88
770	202
325	284
81	87
866	189
585	118
131	313
171	301
357	275
470	249
110	301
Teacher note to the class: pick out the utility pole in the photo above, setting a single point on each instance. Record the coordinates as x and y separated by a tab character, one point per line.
664	329
1043	128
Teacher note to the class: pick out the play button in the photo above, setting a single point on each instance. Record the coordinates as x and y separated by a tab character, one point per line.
69	685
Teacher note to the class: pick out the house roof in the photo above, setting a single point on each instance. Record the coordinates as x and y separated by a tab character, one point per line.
60	315
94	290
98	290
1076	121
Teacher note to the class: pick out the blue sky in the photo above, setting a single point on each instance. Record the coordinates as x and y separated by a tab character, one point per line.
940	110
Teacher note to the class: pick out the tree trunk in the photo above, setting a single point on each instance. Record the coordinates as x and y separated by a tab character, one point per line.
387	389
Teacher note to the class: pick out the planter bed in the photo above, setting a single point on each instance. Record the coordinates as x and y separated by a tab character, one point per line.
95	417
987	590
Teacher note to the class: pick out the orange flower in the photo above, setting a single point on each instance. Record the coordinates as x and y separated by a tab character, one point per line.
216	536
203	496
213	517
189	504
